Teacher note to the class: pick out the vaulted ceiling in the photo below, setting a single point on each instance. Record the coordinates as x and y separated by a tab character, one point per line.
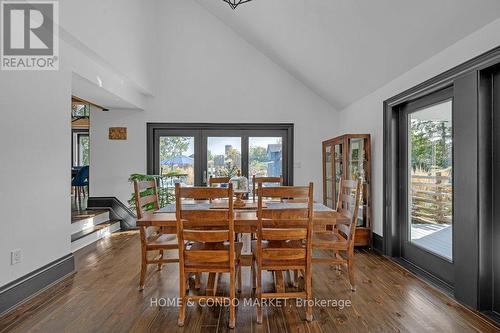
345	49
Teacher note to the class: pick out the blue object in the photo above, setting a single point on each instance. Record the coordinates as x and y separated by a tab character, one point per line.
81	178
178	160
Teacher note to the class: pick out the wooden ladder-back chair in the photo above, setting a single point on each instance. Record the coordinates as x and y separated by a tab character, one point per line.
207	244
217	181
152	238
261	180
341	238
283	243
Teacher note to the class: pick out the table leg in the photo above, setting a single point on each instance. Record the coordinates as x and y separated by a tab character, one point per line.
211	284
279	283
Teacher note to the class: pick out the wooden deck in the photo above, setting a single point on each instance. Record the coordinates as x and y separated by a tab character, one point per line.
103	297
437	238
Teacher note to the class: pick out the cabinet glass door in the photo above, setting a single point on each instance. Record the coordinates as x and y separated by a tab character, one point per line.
356	170
339	168
329	195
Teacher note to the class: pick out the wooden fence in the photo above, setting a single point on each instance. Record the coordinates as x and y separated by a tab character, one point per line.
431	196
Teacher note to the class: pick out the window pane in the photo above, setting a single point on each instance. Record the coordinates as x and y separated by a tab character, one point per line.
430	180
177	159
83	150
265	157
223	156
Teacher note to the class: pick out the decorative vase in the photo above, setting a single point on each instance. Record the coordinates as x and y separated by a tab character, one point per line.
240	188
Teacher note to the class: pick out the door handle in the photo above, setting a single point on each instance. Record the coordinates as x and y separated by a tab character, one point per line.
205	177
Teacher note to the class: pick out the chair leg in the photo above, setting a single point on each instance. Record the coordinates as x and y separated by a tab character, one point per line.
239	277
258	293
350	269
182	296
161	258
295	282
144	267
254	275
197	281
232	297
309	309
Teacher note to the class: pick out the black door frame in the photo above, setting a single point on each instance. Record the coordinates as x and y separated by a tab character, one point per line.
202	130
472	173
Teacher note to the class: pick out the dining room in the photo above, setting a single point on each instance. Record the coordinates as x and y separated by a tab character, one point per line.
249	166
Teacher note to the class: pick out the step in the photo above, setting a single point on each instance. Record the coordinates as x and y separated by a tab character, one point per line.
90	235
87	219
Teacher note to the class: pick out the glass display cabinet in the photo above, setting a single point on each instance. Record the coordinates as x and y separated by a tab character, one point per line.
349	156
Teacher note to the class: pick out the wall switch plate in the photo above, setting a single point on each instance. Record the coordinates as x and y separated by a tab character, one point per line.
16	256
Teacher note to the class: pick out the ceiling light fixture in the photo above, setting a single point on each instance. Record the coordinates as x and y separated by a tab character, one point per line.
235	3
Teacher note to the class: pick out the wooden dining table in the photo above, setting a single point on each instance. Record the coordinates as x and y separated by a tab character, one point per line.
245	222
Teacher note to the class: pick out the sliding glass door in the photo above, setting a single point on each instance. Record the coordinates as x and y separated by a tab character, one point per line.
427	175
192	153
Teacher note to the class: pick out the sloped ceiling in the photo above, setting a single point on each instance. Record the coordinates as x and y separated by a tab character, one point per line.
345	49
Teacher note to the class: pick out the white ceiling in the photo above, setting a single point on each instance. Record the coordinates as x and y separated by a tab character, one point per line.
345	49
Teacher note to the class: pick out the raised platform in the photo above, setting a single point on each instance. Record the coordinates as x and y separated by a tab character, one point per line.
88	226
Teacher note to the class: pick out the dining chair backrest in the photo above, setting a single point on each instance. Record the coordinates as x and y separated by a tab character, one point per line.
146	196
285	223
82	177
348	205
146	199
205	226
261	180
217	180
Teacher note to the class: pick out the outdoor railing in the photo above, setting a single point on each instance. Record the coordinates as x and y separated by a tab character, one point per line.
431	198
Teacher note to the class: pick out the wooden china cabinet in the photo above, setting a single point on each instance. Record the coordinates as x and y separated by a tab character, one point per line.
349	156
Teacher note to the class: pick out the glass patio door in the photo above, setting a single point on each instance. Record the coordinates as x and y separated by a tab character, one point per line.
252	152
427	171
190	153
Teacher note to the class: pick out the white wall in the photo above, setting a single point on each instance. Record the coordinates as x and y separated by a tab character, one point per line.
118	33
365	115
35	148
35	130
209	74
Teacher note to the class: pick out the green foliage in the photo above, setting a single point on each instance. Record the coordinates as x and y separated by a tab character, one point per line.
173	146
431	144
229	170
165	195
233	155
257	153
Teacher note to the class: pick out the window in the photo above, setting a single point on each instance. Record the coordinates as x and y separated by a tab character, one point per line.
80	148
430	191
192	153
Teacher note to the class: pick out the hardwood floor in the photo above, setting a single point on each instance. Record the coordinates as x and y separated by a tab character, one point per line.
103	297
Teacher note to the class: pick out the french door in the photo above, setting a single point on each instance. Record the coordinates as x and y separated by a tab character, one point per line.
193	152
426	178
